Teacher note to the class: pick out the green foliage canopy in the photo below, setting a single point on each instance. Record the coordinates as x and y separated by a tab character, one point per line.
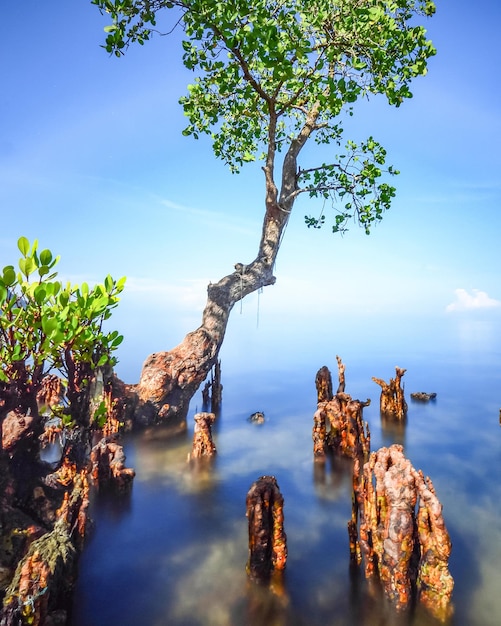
271	74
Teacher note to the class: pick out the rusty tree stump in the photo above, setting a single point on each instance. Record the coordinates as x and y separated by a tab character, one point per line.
348	434
267	538
407	550
203	446
338	423
108	469
392	402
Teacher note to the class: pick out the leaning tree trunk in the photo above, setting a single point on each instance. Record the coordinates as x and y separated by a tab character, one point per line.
170	379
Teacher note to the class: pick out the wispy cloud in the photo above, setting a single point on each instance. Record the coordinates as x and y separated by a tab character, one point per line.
216	219
472	301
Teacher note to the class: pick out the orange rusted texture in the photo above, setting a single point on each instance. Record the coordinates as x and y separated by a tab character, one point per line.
392	401
338	423
401	534
203	446
267	538
108	469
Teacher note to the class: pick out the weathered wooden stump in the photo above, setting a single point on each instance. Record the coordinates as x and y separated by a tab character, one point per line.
338	423
407	550
203	446
267	538
107	459
392	402
348	434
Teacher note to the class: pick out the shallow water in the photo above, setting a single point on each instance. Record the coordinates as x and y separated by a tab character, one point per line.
174	552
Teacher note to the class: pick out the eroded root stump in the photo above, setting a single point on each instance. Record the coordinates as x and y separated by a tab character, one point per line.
203	446
267	538
338	423
392	402
108	466
407	550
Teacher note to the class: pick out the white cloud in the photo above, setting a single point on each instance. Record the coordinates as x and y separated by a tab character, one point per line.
472	301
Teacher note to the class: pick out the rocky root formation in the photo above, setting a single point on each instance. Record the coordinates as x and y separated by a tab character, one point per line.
338	424
44	507
392	401
402	539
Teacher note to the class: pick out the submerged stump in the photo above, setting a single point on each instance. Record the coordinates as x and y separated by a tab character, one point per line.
402	538
392	402
203	446
267	538
423	396
108	469
338	424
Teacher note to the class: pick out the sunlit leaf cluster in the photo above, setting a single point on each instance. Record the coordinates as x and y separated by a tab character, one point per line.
48	326
353	184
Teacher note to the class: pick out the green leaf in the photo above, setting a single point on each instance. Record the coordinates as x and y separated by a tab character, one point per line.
27	266
24	245
40	294
45	257
102	361
117	341
9	275
49	325
108	283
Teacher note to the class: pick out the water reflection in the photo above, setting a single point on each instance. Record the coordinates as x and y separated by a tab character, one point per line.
393	430
332	476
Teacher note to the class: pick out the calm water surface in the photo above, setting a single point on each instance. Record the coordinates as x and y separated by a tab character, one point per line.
174	552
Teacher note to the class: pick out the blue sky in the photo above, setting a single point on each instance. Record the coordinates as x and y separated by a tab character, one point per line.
93	164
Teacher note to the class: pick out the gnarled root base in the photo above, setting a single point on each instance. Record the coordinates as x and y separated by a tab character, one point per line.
407	551
44	578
